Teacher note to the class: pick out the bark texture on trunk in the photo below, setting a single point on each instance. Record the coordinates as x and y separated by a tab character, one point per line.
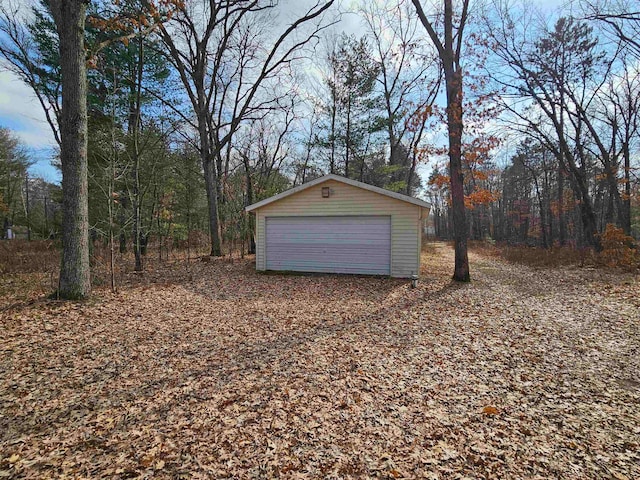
453	79
211	182
211	175
460	230
580	187
75	281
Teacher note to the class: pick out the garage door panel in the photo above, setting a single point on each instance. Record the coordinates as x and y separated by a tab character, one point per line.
371	260
309	253
339	267
289	233
330	269
329	244
312	243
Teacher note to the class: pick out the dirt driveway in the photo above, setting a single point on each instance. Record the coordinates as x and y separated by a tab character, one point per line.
219	372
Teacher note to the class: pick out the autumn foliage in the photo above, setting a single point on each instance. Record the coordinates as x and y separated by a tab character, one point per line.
216	371
619	250
477	169
122	22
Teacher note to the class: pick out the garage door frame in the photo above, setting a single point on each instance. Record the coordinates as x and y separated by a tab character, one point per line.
353	216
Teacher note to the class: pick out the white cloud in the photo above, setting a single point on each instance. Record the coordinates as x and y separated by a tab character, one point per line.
21	112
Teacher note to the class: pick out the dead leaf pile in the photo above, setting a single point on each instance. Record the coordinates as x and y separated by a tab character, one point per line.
220	372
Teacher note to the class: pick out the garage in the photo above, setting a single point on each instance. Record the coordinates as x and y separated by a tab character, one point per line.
338	244
335	224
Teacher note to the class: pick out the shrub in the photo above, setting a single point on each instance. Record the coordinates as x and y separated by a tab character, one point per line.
536	256
618	249
22	256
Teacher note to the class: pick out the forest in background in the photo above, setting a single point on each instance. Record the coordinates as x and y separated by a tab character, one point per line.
212	109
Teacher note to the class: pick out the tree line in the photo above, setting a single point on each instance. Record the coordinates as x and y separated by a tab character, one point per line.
29	206
568	91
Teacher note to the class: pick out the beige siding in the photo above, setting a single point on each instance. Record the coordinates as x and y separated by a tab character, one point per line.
349	200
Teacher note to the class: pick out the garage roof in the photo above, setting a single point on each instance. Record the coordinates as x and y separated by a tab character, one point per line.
338	178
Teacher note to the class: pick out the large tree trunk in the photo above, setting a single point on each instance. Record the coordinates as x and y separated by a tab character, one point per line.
211	182
580	187
588	216
454	120
75	281
615	211
210	175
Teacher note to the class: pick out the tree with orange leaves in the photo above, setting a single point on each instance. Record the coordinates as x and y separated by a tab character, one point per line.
449	49
479	182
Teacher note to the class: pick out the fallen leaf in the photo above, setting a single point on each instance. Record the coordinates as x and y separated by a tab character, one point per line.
619	476
490	410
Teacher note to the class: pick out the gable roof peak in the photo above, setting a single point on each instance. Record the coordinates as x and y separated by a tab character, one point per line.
341	179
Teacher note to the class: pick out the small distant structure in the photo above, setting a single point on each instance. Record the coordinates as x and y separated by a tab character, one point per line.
8	230
429	230
428	227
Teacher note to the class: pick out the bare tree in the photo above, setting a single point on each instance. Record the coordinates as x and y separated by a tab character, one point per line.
620	113
215	49
407	78
305	166
33	67
619	18
262	150
554	83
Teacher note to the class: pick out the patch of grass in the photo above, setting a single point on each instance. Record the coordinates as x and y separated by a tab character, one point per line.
537	256
22	256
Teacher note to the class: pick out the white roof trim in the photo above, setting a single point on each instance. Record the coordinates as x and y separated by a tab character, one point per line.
338	178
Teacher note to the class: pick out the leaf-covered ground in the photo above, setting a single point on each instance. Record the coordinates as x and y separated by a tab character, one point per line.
219	372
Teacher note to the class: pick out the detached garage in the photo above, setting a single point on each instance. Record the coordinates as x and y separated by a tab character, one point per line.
337	225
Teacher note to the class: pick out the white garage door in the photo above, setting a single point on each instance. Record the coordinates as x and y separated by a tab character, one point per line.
360	245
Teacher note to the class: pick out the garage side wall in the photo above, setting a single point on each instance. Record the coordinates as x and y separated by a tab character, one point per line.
349	200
